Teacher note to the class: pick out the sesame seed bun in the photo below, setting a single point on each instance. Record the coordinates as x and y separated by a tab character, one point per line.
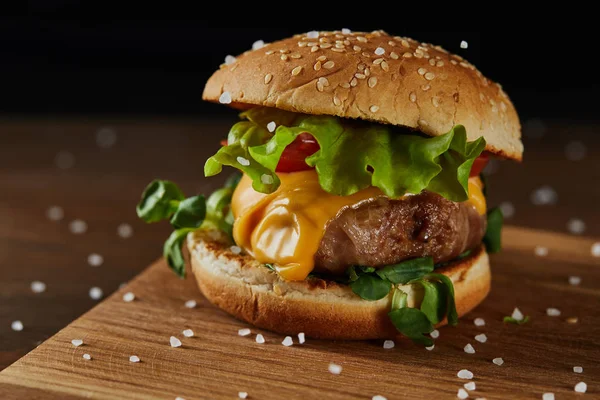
374	77
249	291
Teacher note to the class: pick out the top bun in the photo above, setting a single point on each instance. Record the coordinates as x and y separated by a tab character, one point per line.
374	77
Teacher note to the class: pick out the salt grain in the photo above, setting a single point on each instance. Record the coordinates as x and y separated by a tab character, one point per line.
64	160
540	251
225	98
576	226
287	342
479	322
508	209
596	249
188	333
230	60
266	179
312	35
174	342
544	195
335	369
271	126
78	226
134	359
244	332
469	349
517	314
106	137
378	397
346	31
575	151
243	161
462	394
470	386
465	374
301	338
125	231
464	44
17	326
38	287
128	297
260	339
55	213
77	342
259	44
191	304
242	395
548	396
236	249
379	51
481	338
578	370
435	334
388	344
574	280
430	347
95	260
581	387
87	356
498	361
553	312
96	293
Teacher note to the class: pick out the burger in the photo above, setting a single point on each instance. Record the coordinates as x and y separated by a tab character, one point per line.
360	210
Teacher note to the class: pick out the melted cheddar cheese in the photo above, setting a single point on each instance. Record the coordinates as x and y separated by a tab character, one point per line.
285	228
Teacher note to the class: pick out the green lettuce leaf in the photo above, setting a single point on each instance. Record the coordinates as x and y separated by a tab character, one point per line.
493	233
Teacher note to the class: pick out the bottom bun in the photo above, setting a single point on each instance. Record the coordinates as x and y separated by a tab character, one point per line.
250	291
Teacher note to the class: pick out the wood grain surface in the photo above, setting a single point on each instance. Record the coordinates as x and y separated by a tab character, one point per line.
217	363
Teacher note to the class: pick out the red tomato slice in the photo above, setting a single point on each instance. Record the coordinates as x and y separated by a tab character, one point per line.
292	158
479	164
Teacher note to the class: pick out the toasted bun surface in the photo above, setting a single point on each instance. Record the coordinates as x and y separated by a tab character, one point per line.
374	77
246	289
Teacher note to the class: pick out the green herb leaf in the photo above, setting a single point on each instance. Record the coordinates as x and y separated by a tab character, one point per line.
493	234
172	251
371	287
407	271
159	201
190	213
511	320
413	324
434	300
399	299
451	313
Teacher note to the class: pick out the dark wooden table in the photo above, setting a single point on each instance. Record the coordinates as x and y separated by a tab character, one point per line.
103	184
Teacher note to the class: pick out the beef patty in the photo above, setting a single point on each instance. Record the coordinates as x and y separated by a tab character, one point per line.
382	231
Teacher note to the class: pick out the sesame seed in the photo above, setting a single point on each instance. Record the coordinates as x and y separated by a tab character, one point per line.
435	101
378	61
124	231
353	82
340	46
572	320
360	76
470	386
422	71
296	71
260	339
284	57
95	260
242	395
362	39
469	349
441	64
317	66
38	287
412	97
174	342
426	87
392	43
367	71
581	387
312	35
326	46
324	40
225	98
548	396
288	341
553	312
128	297
243	161
429	76
188	333
295	56
16	326
540	251
78	227
64	160
345	85
244	332
432	62
430	347
356	48
462	394
394	55
320	87
464	64
301	338
385	66
361	67
517	314
96	293
422	122
479	322
134	359
595	250
481	338
338	50
464	45
55	213
405	43
76	342
86	356
435	334
365	54
321	58
268	78
229	59
498	361
259	44
329	64
337	101
271	51
574	280
335	369
314	49
190	304
576	226
453	62
379	51
374	108
372	82
300	44
578	370
346	31
388	344
378	397
324	81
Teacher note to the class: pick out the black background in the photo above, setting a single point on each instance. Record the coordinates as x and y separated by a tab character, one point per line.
78	65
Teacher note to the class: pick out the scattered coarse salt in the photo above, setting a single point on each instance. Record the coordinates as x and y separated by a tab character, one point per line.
581	387
191	304
260	339
106	137
188	333
87	356
380	51
507	208
312	35
95	260
578	370
540	251
266	179
134	359
55	213
242	395
96	293
544	195
574	280
243	161
174	342
229	59
64	160
435	334
128	297
38	287
576	226
469	349
271	126
430	347
517	314
388	344
335	369
498	361
77	342
17	326
78	226
288	341
465	374
596	249
470	386
124	230
179	398
225	98
553	312
244	332
346	31
575	150
259	44
464	44
378	397
479	322
462	394
301	338
481	338
235	249
548	396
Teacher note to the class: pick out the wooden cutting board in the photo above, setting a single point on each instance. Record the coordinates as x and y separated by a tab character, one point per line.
217	363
